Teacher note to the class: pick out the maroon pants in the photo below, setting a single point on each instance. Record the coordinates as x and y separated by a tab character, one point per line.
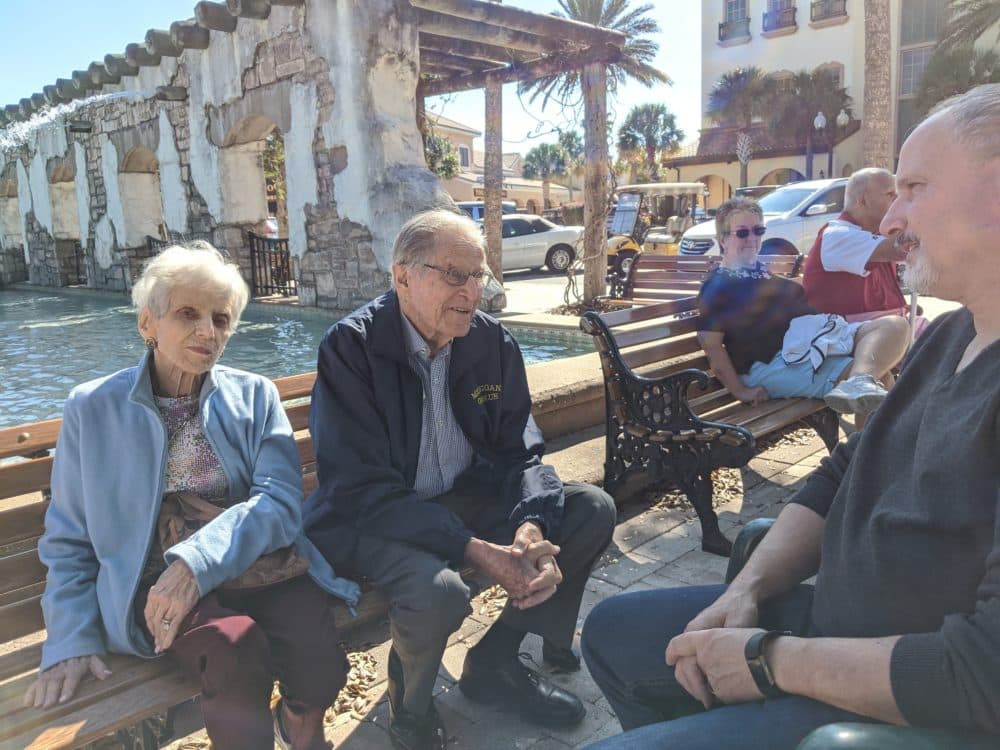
238	643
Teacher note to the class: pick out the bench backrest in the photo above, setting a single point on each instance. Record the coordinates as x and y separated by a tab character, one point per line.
671	277
23	501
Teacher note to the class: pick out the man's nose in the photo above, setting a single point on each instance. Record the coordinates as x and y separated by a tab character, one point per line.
893	221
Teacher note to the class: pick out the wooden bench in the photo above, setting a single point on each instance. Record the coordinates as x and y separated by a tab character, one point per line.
655	278
138	688
668	418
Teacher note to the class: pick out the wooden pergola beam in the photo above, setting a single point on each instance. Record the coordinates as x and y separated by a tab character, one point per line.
171	93
13	112
474	31
51	94
471	50
189	35
214	16
67	89
38	101
83	79
452	62
159	42
255	9
495	14
118	66
98	75
540	68
139	56
26	108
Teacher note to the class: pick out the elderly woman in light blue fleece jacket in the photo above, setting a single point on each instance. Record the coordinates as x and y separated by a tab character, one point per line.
180	423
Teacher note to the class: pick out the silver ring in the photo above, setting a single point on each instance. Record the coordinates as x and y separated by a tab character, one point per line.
165	623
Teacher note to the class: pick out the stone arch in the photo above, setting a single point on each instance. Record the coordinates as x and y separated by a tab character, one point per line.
10	217
142	202
719	189
781	176
252	175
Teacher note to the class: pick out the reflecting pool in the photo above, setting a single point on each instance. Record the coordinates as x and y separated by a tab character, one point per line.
50	341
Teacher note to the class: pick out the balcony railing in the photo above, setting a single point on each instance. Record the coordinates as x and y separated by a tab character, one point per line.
821	10
779	19
736	29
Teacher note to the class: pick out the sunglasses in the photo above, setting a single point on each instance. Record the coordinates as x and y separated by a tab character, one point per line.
744	232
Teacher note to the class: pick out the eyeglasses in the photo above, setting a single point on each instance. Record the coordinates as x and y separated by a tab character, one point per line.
743	233
454	277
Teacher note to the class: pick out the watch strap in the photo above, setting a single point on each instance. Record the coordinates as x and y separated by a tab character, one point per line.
757	662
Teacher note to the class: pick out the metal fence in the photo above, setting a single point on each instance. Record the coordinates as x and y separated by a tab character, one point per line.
271	266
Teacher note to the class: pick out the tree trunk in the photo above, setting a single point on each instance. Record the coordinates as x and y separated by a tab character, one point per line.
876	119
546	203
744	173
654	172
493	180
594	82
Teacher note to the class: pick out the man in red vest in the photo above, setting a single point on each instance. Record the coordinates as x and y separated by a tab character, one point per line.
851	269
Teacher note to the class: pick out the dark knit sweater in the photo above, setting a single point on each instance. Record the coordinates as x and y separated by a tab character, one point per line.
912	539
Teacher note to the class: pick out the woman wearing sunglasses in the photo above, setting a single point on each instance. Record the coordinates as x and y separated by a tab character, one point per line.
745	314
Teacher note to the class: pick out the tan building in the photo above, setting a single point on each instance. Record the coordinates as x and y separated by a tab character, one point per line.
468	184
783	37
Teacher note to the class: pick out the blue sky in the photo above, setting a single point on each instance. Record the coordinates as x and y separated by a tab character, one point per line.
48	39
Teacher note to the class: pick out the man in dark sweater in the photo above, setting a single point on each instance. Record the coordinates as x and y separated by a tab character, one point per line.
903	623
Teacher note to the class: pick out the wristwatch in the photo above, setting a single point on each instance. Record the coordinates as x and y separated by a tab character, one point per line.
760	670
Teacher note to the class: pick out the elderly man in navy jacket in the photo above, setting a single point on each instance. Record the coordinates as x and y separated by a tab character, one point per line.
429	460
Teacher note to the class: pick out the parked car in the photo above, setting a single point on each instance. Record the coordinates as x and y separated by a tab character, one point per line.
755	191
530	241
793	215
477	209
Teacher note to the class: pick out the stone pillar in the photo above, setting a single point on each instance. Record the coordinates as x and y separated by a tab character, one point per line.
493	178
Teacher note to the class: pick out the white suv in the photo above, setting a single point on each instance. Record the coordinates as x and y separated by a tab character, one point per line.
793	215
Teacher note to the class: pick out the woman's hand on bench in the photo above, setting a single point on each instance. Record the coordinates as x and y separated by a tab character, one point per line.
753	396
58	683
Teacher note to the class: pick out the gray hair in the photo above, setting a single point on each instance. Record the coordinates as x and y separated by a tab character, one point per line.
732	206
417	240
858	184
976	117
196	264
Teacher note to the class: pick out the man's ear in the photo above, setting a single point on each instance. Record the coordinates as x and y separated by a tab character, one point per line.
399	275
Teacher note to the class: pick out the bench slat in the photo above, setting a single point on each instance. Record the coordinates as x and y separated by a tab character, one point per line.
25	477
295	386
22	522
19	570
666	329
21	618
648	312
22	440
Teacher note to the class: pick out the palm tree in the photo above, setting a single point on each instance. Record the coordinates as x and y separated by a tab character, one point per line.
737	98
952	71
796	106
876	123
969	20
651	128
543	162
639	50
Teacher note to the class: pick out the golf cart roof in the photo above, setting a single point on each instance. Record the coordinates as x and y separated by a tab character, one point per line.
666	188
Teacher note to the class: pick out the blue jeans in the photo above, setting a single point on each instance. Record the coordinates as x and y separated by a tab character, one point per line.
624	642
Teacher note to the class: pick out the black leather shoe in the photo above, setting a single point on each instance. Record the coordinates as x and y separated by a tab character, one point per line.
516	687
563	659
410	732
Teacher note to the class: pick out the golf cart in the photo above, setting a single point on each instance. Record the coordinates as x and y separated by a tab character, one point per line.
651	218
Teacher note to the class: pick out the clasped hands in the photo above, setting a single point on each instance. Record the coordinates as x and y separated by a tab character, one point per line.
708	657
526	569
170	599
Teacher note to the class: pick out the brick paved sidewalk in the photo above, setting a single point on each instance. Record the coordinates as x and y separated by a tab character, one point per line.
655	547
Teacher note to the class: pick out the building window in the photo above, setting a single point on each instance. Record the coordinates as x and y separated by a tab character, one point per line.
921	21
835	71
911	69
736	10
737	23
780	14
821	10
463	156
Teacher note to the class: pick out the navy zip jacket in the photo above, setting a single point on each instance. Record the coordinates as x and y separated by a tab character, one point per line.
366	417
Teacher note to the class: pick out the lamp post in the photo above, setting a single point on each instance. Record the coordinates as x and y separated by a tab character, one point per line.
843	119
820	125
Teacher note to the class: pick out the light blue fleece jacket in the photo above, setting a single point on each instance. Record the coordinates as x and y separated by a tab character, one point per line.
107	486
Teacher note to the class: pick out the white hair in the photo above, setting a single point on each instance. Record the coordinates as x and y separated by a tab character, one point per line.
975	115
417	240
858	184
196	264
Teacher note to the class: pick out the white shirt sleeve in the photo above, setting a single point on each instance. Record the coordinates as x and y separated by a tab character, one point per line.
847	247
